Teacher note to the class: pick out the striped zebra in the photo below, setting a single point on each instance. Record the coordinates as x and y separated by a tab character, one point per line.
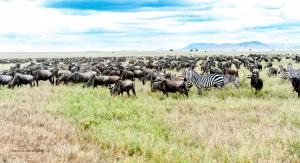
203	81
212	80
283	73
292	73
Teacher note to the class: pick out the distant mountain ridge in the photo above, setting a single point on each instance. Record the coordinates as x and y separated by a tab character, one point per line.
242	45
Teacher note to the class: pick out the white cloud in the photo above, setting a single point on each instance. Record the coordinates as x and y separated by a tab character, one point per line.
36	28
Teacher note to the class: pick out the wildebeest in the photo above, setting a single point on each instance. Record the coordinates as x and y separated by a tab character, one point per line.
94	80
78	77
296	85
20	79
227	71
256	83
123	86
125	74
166	86
44	75
272	71
62	78
5	79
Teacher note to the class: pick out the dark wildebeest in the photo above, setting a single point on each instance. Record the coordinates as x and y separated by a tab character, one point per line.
78	77
123	86
256	82
94	80
5	79
44	75
296	85
272	71
62	78
20	79
227	71
125	74
166	86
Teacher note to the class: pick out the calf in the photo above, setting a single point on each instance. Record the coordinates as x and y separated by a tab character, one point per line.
296	85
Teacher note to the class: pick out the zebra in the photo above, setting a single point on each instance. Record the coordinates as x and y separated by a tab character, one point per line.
283	73
292	73
207	81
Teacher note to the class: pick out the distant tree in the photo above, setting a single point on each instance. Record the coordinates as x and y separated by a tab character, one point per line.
191	50
171	50
196	50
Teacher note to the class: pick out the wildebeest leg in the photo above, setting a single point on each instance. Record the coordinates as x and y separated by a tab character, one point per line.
165	92
185	92
128	93
37	83
133	91
298	94
31	84
51	81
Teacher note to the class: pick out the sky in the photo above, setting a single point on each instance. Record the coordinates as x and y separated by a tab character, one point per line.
111	25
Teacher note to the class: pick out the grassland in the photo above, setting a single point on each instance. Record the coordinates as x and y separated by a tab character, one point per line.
136	53
228	125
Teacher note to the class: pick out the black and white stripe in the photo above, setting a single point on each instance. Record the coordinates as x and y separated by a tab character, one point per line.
292	73
203	81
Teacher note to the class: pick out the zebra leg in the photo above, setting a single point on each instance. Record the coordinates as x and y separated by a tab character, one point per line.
199	91
219	87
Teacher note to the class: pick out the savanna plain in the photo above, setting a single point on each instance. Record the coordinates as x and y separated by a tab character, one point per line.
75	124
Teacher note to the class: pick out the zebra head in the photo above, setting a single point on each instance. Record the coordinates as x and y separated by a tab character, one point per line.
290	66
187	73
232	79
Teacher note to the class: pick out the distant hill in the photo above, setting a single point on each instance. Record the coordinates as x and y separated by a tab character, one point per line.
241	46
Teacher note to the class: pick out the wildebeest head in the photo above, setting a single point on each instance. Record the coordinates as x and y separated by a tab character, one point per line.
91	81
254	77
14	82
114	90
63	77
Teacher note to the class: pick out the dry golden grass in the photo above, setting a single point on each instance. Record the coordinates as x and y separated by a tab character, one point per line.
29	134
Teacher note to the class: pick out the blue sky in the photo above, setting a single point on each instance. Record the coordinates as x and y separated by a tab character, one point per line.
81	25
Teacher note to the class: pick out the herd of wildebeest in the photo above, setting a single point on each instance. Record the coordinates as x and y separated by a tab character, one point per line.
119	74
